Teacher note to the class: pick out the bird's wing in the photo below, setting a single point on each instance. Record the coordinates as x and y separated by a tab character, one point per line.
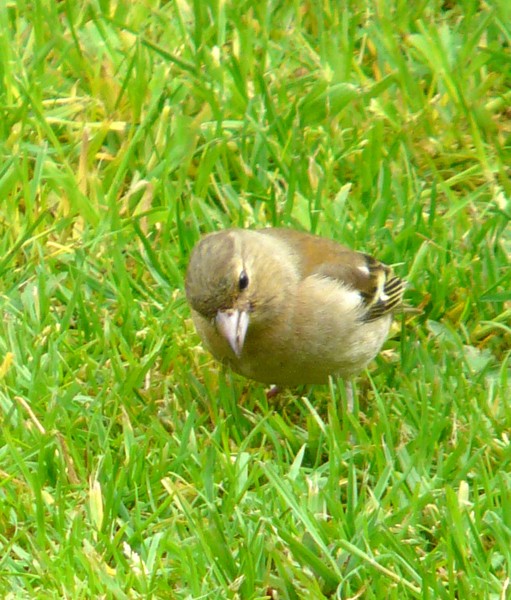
380	289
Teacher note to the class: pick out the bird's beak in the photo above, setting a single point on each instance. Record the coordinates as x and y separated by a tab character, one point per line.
233	325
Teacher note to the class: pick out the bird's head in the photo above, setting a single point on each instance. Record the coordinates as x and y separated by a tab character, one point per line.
238	280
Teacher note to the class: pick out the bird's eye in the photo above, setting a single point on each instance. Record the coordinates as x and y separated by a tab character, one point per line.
243	281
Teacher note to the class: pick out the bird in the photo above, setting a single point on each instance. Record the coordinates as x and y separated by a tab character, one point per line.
289	308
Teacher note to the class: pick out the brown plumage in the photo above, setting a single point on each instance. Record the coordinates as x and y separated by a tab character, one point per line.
289	308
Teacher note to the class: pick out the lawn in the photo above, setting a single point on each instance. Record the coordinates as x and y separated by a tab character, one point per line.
134	466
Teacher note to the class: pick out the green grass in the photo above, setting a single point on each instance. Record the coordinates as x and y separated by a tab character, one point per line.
131	466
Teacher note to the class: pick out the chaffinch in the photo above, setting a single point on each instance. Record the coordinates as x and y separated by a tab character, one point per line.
289	308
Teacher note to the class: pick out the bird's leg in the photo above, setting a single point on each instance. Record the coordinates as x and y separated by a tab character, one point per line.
348	388
272	392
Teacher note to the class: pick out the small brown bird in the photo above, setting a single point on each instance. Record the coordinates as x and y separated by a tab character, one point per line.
289	308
